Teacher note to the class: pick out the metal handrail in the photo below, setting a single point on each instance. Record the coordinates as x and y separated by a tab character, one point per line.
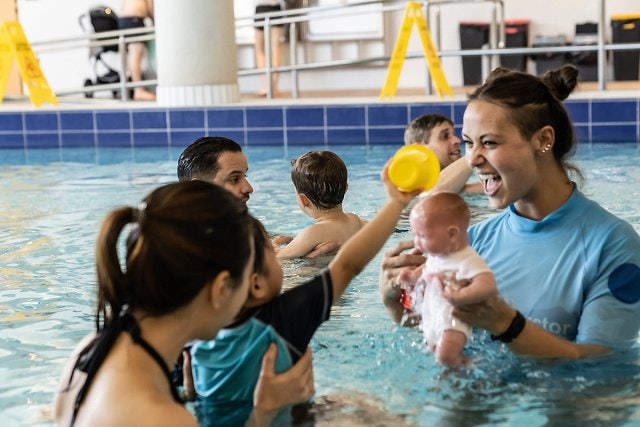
104	38
118	38
496	28
496	43
300	17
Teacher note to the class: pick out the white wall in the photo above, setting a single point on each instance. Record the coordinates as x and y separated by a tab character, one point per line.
49	19
46	19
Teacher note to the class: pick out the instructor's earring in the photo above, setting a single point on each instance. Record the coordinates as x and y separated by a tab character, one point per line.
544	149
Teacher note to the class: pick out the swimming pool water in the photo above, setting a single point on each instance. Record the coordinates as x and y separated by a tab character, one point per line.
365	367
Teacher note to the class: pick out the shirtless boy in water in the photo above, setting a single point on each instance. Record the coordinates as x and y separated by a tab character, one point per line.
320	179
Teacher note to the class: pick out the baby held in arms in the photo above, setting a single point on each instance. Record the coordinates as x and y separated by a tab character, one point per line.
454	274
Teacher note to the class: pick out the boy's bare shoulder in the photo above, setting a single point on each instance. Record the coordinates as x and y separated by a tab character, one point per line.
340	230
357	220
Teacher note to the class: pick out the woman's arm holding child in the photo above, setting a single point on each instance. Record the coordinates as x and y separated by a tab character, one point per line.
274	391
356	253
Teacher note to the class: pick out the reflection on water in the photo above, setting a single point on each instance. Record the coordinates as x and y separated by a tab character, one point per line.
367	371
496	389
298	270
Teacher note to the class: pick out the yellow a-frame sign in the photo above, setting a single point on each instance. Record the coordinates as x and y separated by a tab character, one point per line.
14	44
413	15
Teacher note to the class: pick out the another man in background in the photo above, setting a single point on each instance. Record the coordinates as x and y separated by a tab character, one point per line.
436	132
218	160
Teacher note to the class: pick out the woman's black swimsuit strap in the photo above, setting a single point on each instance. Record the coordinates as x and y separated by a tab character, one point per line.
91	358
134	330
94	355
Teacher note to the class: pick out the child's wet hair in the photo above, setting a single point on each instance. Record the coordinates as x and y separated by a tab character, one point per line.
321	176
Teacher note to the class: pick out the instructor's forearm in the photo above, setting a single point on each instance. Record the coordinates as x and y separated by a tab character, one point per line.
454	177
534	341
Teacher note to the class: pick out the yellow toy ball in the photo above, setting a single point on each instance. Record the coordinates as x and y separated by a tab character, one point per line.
414	167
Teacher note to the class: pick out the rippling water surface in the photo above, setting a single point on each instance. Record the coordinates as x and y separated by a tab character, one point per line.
367	371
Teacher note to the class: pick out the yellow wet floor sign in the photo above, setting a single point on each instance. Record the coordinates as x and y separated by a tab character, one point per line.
413	15
14	44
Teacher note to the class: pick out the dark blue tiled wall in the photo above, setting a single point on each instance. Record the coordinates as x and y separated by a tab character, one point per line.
595	120
341	116
222	118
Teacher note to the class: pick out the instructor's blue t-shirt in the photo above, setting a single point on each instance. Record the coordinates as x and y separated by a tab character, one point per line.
226	369
576	273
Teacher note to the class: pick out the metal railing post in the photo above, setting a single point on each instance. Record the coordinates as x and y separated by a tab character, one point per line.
267	55
122	51
491	62
502	31
293	58
602	54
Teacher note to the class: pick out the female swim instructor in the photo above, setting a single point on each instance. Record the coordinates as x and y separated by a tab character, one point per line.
568	271
186	276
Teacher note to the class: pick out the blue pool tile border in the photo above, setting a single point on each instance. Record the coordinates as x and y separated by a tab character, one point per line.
595	120
112	120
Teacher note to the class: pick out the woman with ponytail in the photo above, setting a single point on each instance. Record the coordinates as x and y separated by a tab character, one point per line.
185	276
567	270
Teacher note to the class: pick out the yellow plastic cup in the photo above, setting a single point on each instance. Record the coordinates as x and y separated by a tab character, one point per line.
414	167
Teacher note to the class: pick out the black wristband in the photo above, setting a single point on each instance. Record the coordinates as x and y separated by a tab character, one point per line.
514	329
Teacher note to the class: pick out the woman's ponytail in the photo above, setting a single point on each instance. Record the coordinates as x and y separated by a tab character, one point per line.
111	279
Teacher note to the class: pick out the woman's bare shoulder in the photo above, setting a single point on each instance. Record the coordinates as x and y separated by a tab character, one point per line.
66	392
124	397
171	414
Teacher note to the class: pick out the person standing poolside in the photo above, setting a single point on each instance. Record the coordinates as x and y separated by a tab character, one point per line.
567	270
185	277
132	15
320	180
276	32
439	225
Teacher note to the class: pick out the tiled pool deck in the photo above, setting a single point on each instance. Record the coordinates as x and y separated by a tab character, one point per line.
322	121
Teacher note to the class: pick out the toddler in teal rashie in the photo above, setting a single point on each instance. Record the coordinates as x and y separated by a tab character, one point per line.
226	369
